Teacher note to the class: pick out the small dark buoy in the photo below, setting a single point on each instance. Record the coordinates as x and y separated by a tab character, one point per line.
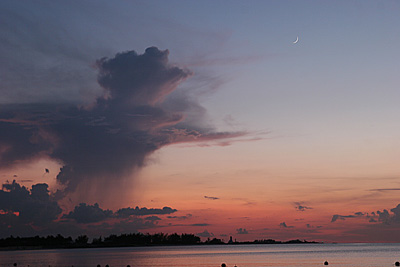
98	265
326	263
15	264
223	265
128	266
397	263
107	265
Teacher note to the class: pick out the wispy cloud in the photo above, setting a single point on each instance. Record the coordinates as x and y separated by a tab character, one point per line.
284	225
385	189
299	206
242	231
211	198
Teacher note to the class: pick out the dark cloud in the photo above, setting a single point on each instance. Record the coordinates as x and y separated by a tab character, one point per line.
396	214
385	189
35	212
153	218
383	226
312	226
200	224
138	80
205	233
88	213
389	218
284	225
27	207
301	207
242	231
84	213
383	216
211	198
341	217
344	217
185	217
102	144
126	212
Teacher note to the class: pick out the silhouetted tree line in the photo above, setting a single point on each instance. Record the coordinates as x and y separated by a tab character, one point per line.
272	241
135	239
37	241
140	239
123	240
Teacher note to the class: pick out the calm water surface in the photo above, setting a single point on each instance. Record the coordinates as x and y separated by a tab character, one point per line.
242	255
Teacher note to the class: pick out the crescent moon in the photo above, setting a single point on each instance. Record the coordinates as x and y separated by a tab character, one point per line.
297	39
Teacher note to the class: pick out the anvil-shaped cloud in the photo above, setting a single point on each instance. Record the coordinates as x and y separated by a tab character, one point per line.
108	140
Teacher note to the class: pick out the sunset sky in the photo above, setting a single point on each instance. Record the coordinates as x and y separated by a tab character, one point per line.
201	117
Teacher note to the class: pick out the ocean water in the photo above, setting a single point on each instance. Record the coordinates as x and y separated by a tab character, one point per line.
200	256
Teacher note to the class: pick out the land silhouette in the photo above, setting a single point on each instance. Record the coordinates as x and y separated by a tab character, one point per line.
123	240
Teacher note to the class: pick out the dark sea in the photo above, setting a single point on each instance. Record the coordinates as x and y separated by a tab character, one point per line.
240	255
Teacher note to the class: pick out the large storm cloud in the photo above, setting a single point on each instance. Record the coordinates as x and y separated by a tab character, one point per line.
103	143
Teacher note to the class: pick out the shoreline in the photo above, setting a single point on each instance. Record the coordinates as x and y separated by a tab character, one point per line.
21	248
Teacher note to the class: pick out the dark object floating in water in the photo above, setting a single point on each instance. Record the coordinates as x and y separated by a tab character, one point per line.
223	265
326	263
397	263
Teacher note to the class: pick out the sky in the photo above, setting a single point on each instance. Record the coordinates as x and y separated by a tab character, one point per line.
201	117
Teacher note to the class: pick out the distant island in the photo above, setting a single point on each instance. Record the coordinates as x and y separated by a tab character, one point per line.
124	240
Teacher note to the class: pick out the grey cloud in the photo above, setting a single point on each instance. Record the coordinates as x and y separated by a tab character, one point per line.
200	224
385	189
84	213
301	207
30	207
126	212
396	214
341	217
133	79
312	226
284	225
101	144
205	233
242	231
344	217
30	212
185	217
153	218
384	216
211	198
